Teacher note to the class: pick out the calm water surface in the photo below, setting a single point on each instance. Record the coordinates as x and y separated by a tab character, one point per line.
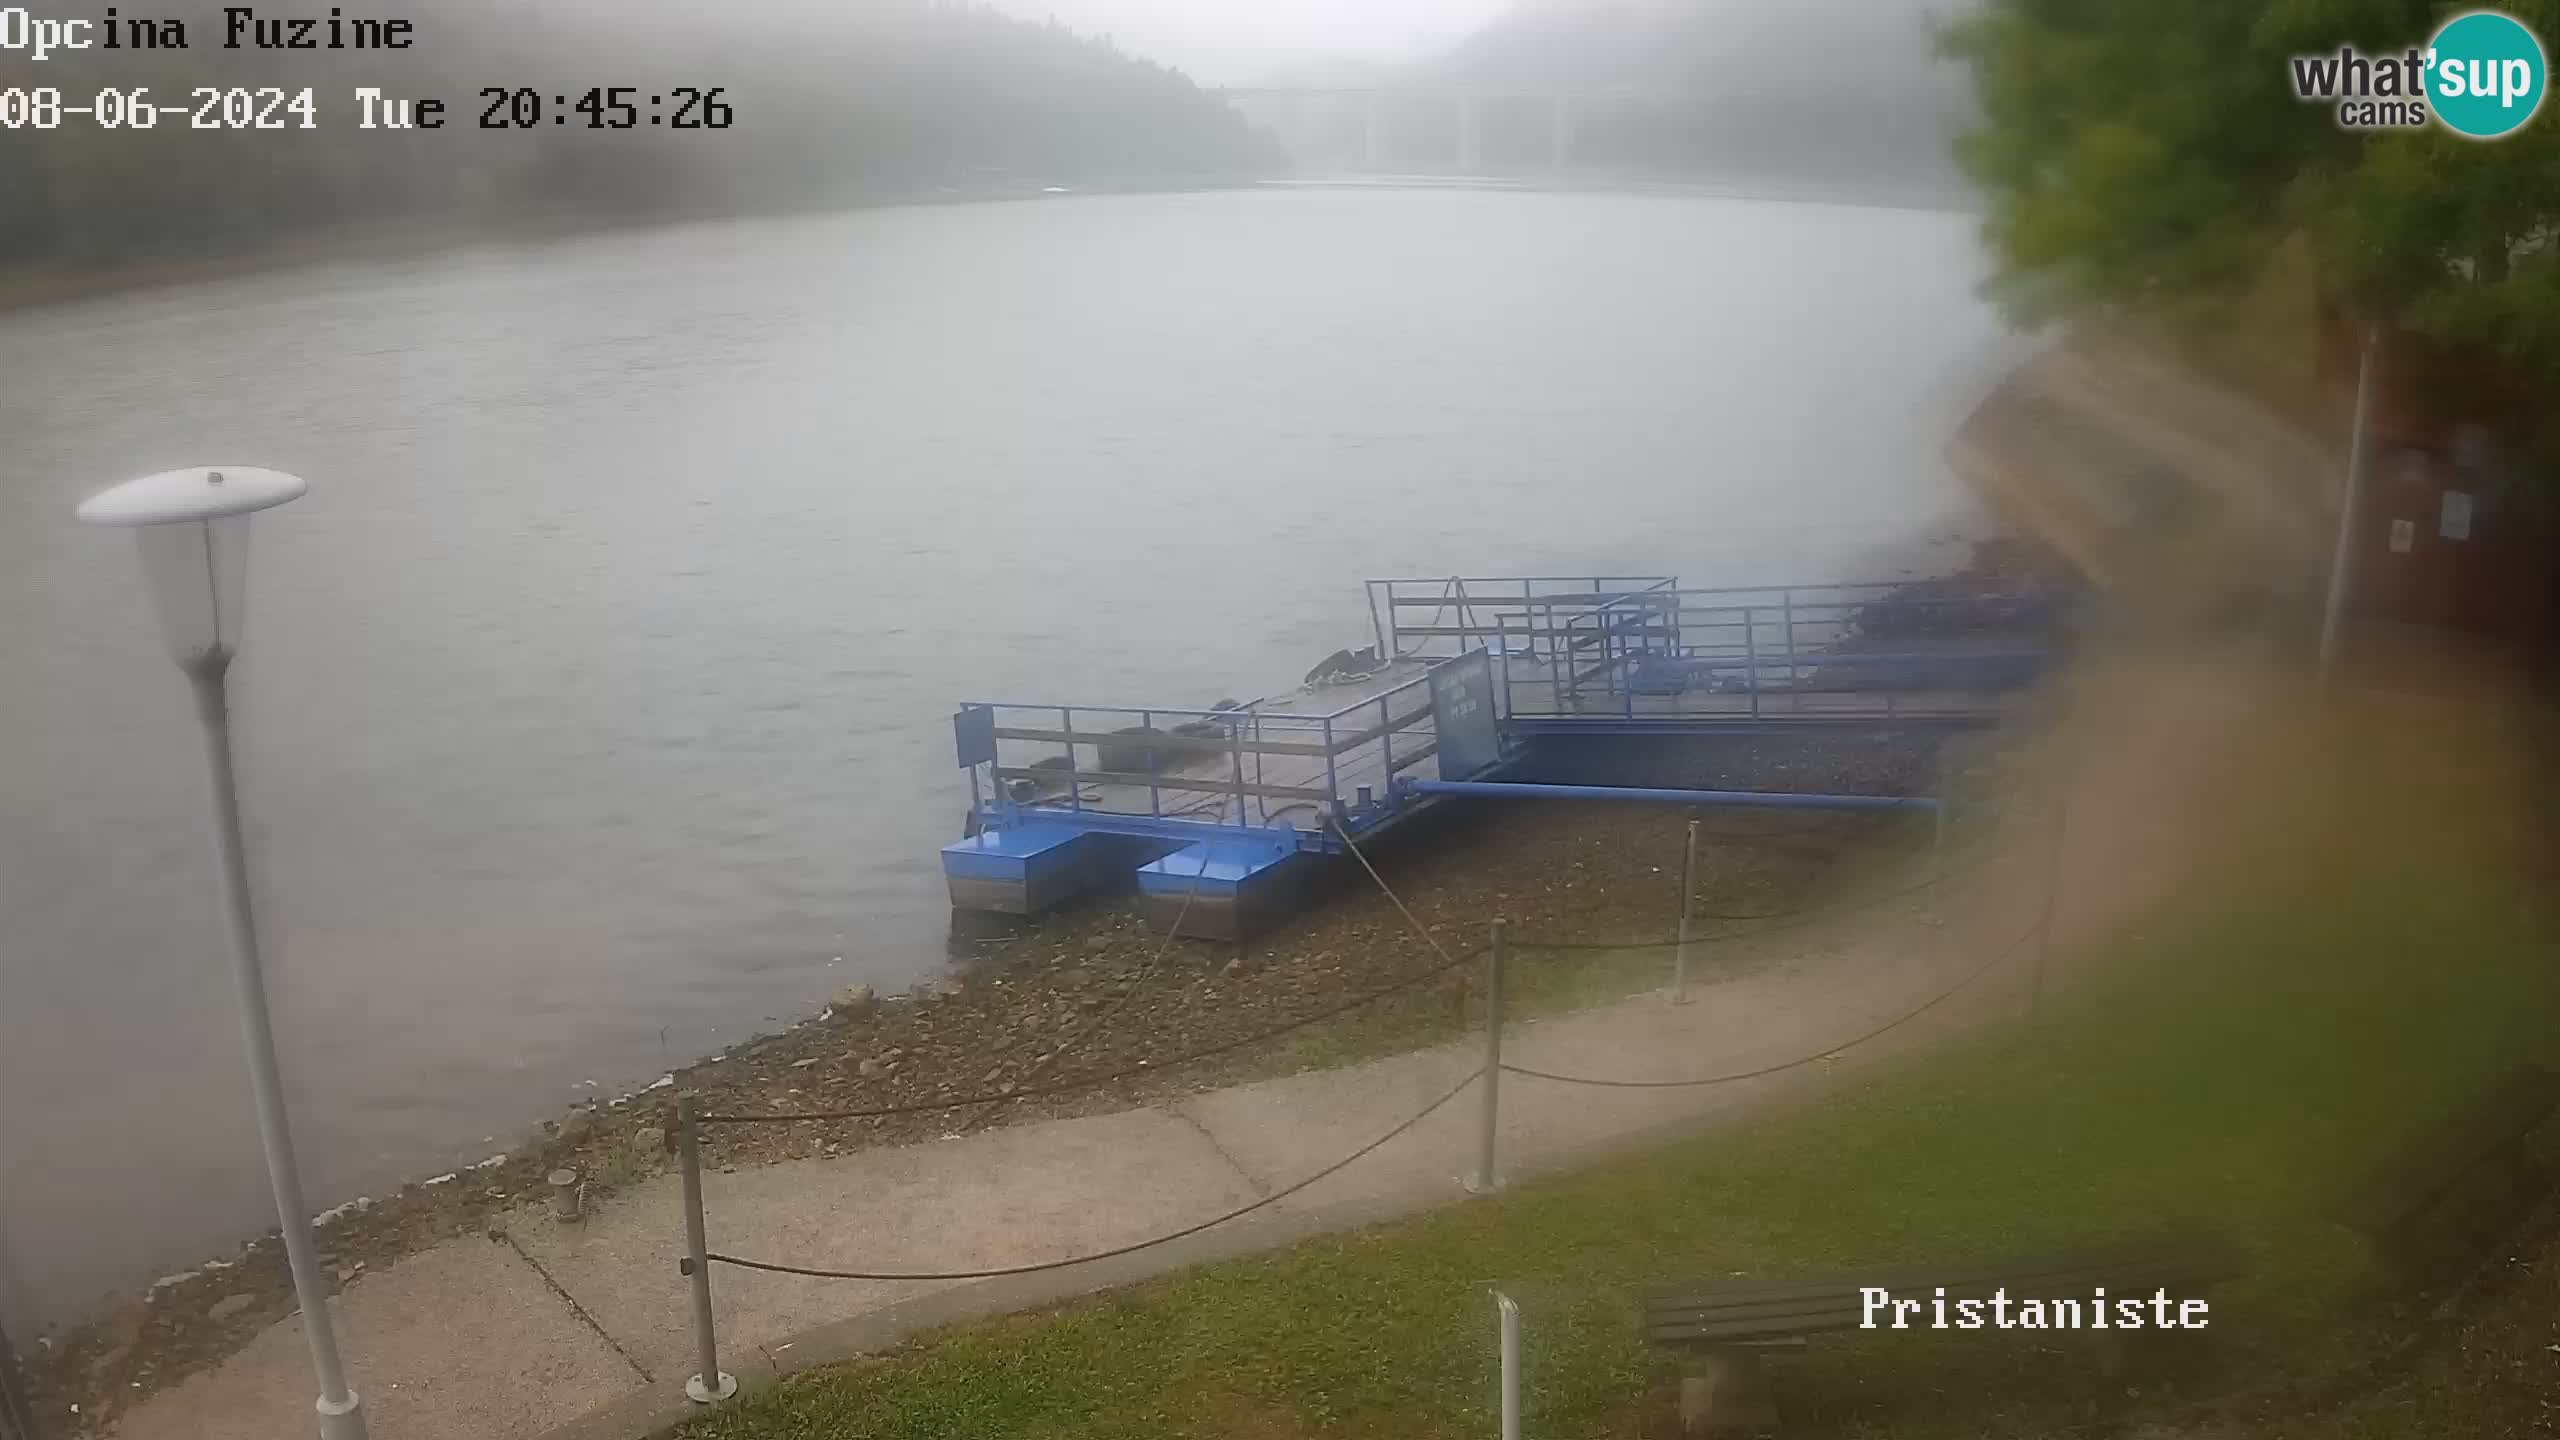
595	705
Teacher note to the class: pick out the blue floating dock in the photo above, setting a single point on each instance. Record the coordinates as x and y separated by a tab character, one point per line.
1216	813
1221	889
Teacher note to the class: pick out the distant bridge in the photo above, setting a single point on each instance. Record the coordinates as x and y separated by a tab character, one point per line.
1467	131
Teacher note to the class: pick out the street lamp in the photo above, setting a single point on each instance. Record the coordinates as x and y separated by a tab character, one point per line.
194	529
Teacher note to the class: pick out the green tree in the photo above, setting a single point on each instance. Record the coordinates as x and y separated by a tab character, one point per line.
2154	155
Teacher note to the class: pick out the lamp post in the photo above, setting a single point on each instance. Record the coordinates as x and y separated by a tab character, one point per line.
194	529
2342	558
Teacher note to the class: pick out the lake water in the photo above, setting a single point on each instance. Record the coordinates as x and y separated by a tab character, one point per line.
594	711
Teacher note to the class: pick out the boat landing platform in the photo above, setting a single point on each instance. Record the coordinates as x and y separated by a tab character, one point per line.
1215	811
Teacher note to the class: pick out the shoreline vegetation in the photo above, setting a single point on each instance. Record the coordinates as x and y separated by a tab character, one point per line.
34	285
1092	989
756	110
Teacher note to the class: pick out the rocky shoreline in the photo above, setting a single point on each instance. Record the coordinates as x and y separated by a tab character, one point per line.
1094	991
1090	991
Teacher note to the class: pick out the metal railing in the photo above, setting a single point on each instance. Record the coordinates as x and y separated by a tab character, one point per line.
1252	766
1664	650
1457	613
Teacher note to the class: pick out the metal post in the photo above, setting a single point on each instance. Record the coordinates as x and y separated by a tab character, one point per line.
1614	645
2053	863
1688	907
1938	816
1751	656
1075	785
1487	1179
341	1411
1509	1310
710	1383
1235	740
1155	793
1332	767
2342	559
1938	847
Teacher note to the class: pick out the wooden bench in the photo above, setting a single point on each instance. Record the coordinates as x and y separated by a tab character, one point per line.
1723	1326
2460	1184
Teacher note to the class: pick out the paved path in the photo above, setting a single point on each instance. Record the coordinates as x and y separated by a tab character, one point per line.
480	1338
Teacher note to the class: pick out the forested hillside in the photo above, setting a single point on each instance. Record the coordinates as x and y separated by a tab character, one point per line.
826	105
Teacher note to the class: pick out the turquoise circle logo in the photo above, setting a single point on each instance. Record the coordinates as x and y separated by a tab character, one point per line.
2488	75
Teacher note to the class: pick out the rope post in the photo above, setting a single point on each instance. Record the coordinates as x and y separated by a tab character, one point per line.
1487	1180
1509	1312
1938	816
1688	918
2063	785
1938	844
710	1383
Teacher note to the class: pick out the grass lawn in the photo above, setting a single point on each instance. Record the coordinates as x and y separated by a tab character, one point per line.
2244	1058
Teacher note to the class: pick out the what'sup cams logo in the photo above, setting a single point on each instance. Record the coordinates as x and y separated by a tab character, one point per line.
2482	75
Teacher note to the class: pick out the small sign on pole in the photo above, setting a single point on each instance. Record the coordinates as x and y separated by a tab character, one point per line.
1462	715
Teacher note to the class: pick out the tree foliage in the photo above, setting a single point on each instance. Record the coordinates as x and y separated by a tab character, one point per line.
2155	153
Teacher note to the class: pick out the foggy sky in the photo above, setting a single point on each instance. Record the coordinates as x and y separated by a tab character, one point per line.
1240	42
1248	42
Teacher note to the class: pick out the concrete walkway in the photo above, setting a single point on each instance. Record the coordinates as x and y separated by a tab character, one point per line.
586	1328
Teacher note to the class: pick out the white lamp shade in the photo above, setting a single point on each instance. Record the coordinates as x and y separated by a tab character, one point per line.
194	529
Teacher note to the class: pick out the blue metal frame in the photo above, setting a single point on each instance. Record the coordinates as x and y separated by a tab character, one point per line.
1662	795
1576	656
1358	801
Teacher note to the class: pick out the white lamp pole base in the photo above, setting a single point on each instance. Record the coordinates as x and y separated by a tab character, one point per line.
343	1419
702	1394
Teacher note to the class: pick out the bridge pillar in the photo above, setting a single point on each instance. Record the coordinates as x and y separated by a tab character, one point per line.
1470	136
1373	148
1560	133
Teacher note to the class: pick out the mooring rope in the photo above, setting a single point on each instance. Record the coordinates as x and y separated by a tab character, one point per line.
1239	1212
1392	897
1792	919
1117	1002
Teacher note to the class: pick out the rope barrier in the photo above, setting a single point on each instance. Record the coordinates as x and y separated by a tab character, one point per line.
1896	1023
1239	1212
1448	962
1794	919
1118	1002
1832	826
1143	1067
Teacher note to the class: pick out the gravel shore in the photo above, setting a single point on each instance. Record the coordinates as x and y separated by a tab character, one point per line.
1093	991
